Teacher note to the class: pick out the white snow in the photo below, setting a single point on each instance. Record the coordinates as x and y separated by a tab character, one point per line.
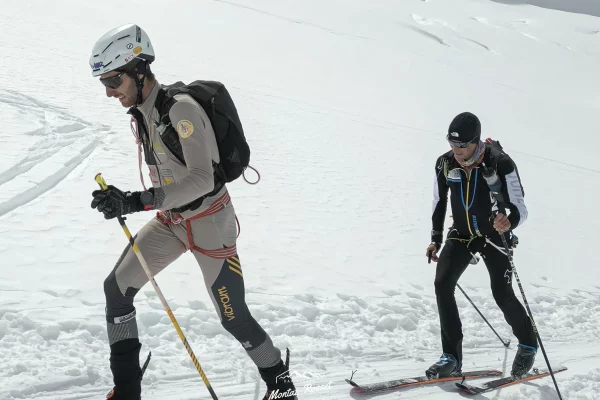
345	104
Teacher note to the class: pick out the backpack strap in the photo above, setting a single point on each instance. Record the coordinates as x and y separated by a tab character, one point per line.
491	156
166	131
446	159
164	101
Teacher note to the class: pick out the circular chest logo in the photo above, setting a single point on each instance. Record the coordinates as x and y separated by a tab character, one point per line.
185	128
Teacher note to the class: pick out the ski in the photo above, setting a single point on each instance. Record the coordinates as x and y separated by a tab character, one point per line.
507	381
419	380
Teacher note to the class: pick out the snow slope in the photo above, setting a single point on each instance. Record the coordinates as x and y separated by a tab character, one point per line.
590	7
345	105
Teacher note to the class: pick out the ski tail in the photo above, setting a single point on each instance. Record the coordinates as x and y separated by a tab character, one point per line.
420	380
508	380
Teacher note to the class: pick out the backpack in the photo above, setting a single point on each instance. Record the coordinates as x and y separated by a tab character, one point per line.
214	98
495	145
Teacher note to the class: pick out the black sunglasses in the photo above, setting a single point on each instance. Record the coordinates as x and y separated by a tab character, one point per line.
113	82
461	145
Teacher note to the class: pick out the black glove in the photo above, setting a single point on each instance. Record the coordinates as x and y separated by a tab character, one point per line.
114	202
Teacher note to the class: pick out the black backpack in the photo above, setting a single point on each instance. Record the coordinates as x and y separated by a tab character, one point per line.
497	147
214	98
494	144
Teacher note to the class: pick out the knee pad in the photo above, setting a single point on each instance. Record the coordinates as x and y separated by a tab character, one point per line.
117	303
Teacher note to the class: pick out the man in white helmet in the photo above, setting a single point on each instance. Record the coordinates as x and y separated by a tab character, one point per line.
121	60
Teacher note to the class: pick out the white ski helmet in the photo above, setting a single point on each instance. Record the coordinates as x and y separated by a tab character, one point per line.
121	48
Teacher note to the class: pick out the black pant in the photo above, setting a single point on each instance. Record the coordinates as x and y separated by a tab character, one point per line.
453	261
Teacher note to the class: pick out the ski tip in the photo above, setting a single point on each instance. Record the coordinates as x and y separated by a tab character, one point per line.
557	368
350	381
535	373
545	370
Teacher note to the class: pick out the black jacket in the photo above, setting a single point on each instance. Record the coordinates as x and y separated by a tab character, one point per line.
470	198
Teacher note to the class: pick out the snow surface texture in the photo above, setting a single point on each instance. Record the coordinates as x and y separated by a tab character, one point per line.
345	104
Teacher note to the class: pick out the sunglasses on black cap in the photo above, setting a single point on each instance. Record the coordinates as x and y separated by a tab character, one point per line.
113	82
461	145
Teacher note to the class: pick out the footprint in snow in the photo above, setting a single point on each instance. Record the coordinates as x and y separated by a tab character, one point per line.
544	298
307	298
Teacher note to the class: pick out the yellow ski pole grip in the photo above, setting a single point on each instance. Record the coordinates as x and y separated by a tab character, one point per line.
101	181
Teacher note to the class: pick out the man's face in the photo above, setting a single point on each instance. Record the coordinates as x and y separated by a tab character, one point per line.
120	85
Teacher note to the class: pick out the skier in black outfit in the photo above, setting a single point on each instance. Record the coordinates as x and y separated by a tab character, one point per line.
475	229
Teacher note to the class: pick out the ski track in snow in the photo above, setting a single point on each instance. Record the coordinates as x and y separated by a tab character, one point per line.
429	35
514	27
293	20
61	144
432	22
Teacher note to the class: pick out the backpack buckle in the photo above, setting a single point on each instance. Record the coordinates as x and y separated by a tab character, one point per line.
162	128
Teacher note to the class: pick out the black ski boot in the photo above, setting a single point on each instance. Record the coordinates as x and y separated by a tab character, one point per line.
445	367
125	367
279	381
523	360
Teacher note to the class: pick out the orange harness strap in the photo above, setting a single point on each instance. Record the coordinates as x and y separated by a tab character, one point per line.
217	206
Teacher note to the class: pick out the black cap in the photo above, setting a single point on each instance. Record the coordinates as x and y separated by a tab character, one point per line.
465	127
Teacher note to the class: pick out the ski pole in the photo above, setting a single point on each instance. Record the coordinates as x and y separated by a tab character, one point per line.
495	186
514	270
506	343
140	257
